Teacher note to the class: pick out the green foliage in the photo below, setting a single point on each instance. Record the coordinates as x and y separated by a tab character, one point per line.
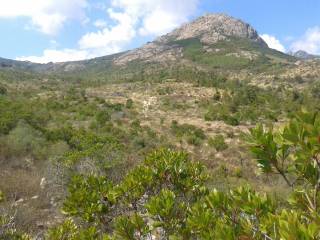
129	103
231	215
218	143
3	90
68	230
166	194
102	117
24	140
88	197
130	228
10	114
96	200
193	50
293	152
1	196
167	212
165	91
8	230
221	113
86	144
193	134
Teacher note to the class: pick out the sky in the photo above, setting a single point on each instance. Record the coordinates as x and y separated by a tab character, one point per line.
65	30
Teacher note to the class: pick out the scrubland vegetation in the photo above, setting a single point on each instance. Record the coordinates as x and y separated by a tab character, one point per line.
170	154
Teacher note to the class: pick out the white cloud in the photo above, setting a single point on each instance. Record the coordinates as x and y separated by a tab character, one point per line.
130	19
47	16
157	17
273	42
133	17
100	23
51	55
309	42
146	17
117	36
65	55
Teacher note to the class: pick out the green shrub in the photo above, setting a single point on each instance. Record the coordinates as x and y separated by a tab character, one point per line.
1	196
238	172
8	230
68	230
187	130
167	191
3	90
221	112
102	117
165	91
194	140
85	197
24	140
129	103
218	143
11	112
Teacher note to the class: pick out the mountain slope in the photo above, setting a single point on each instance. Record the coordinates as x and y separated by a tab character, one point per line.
214	38
303	55
214	41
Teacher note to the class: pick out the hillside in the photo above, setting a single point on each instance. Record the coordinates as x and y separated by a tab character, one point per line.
214	40
80	140
213	43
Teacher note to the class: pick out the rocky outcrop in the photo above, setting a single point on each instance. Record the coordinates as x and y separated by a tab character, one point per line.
209	29
151	52
303	55
212	28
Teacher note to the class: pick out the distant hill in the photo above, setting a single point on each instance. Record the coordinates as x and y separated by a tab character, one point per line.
303	55
214	41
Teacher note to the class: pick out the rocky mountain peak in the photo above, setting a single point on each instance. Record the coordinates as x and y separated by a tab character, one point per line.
303	55
212	28
209	29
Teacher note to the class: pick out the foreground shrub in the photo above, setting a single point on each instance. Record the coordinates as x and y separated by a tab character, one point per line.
166	196
8	230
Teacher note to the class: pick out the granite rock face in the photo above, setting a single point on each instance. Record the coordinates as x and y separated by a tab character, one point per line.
212	28
209	29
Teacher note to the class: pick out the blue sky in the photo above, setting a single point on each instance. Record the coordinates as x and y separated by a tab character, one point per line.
62	30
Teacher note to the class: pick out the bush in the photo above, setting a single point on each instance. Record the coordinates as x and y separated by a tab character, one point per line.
68	230
1	196
194	140
8	230
167	192
165	91
192	134
221	112
11	112
3	90
129	103
230	120
218	143
187	130
24	140
102	117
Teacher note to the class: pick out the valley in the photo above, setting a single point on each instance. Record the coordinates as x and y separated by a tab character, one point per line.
77	138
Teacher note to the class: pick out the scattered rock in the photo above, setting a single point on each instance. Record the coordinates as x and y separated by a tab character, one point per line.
43	183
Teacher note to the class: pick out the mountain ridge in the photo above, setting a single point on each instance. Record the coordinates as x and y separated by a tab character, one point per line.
208	41
303	55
